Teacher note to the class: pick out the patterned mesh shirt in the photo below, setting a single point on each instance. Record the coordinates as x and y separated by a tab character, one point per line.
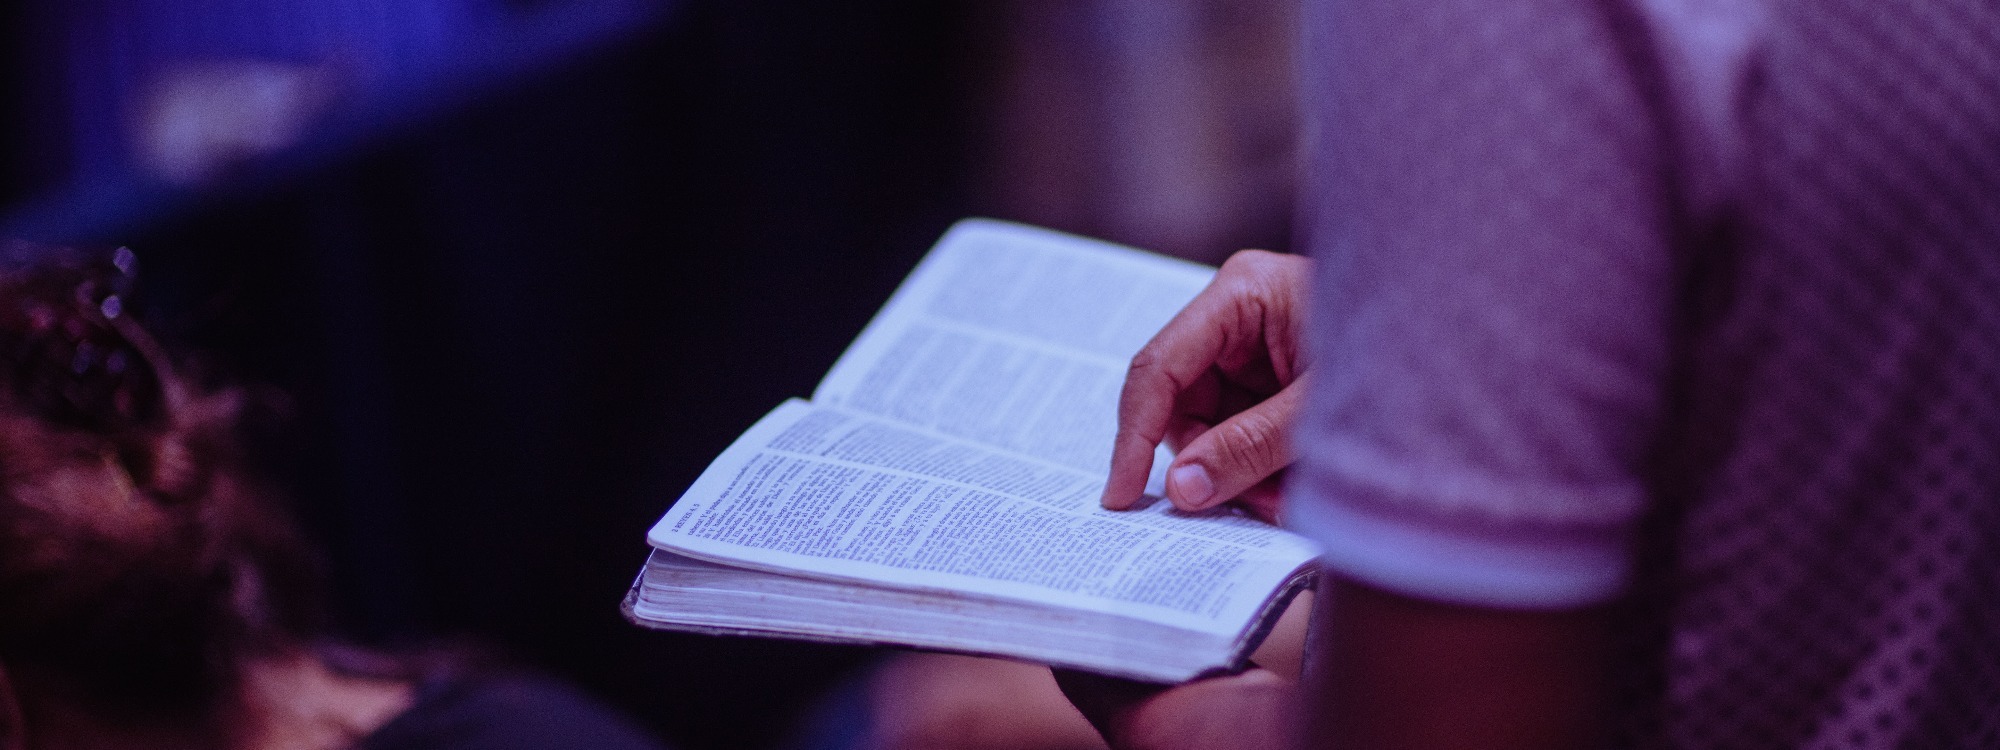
1693	306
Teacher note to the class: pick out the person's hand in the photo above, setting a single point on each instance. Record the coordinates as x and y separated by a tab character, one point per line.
1255	709
1221	383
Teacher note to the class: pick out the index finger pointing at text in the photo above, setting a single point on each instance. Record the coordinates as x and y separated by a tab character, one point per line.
1162	370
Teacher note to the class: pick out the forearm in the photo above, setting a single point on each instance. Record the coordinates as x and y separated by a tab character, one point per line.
1396	672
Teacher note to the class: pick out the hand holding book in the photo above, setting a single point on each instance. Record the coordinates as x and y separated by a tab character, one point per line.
1251	710
1222	384
942	488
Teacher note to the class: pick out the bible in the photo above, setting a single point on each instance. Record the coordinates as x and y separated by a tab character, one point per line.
940	489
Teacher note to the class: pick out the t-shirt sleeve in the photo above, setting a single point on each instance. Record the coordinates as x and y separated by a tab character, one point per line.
1488	202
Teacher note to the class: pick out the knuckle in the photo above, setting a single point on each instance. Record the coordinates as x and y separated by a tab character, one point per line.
1243	262
1148	358
1260	273
1151	374
1260	261
1251	441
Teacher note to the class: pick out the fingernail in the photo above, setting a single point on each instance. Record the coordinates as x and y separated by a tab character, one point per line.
1191	483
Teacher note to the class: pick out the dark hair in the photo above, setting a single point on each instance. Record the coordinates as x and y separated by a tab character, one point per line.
141	563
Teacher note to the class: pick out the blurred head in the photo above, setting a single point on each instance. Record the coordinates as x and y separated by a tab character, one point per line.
140	565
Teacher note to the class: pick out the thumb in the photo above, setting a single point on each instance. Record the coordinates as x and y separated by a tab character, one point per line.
1226	460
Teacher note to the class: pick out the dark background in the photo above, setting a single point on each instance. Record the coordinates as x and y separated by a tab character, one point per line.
514	333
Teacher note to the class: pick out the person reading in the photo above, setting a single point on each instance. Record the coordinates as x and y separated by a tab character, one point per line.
1648	397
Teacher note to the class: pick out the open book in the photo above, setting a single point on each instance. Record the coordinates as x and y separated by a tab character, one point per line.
940	491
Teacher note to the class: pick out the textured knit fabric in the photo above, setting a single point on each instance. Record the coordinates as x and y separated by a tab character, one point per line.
1701	300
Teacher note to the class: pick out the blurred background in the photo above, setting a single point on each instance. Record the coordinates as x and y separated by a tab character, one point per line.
525	266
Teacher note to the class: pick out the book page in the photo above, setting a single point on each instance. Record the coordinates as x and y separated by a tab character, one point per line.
1015	337
833	493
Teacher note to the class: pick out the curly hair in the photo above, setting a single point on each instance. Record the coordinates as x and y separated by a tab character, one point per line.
141	563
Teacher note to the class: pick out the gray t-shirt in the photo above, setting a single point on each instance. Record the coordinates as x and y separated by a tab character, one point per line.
1693	306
